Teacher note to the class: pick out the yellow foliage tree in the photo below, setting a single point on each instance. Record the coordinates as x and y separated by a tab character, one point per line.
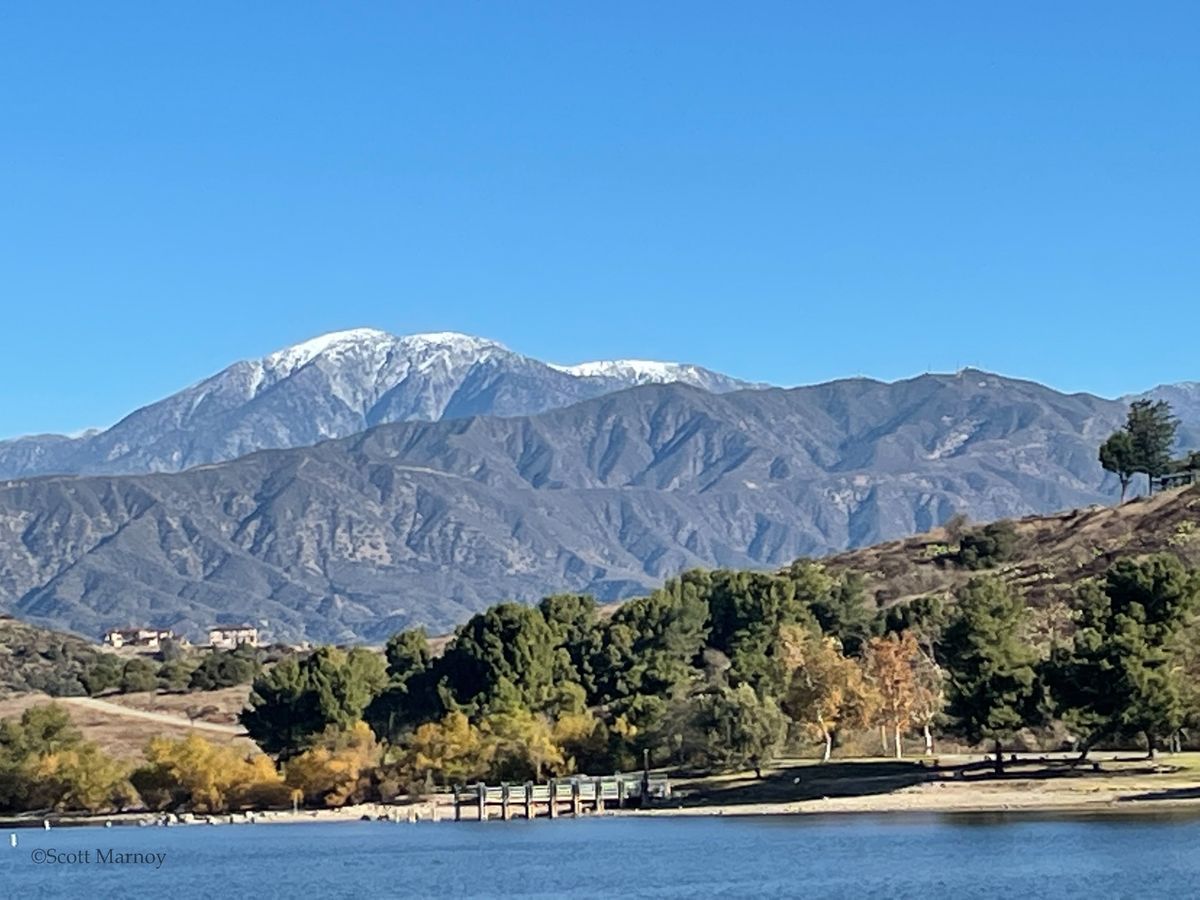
80	777
449	751
825	690
337	769
891	664
582	739
196	774
523	746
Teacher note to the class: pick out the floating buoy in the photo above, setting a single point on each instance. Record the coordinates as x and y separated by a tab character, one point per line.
46	824
12	839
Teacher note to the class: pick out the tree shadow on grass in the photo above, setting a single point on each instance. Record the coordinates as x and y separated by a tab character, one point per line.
793	784
809	782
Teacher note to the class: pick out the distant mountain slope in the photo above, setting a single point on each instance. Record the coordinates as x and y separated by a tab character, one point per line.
428	522
329	387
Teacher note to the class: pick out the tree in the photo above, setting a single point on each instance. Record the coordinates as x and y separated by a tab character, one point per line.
651	643
296	700
522	746
891	663
201	776
739	727
224	668
746	611
447	752
1151	428
508	643
337	768
102	675
826	691
1117	455
81	777
411	695
139	675
993	685
46	764
838	604
1143	445
995	543
175	675
574	620
1124	672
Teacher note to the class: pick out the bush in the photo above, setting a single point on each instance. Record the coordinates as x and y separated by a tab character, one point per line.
989	546
139	675
222	669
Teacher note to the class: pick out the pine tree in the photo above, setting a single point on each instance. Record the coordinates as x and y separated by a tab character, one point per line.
994	689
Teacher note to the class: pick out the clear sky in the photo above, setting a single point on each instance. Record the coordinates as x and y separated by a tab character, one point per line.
787	192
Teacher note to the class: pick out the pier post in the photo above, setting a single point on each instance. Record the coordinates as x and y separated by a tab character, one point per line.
620	792
599	795
457	804
576	799
529	799
553	799
504	801
482	801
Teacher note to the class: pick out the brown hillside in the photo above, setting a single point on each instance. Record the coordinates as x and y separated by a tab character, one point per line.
1052	552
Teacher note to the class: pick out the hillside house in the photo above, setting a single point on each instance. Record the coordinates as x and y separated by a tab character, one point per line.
230	637
140	638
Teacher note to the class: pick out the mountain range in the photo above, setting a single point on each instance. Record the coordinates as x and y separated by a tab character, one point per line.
498	477
334	386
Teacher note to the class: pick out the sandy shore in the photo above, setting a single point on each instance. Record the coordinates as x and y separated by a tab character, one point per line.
870	787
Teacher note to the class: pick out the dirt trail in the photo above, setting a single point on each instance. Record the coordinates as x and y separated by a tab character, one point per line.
161	718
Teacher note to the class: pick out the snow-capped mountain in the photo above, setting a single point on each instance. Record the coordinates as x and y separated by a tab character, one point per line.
333	386
647	371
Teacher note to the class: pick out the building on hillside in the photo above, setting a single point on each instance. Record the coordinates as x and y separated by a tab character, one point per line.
229	637
141	638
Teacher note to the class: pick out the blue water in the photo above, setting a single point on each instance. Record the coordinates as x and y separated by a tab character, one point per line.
918	856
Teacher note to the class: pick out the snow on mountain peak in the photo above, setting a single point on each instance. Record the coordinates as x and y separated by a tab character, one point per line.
639	371
298	355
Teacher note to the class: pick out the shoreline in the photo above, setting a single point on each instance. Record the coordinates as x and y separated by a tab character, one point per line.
918	802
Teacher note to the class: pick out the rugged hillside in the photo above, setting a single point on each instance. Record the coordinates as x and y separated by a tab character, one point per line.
35	659
1051	552
334	386
428	522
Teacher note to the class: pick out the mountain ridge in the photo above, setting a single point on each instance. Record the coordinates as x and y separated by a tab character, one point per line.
330	386
427	522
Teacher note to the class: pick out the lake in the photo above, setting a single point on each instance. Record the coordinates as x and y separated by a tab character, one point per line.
918	856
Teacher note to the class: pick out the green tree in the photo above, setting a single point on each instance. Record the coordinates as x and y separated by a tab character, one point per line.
297	699
652	643
103	674
839	604
993	687
1123	673
574	620
509	644
1151	428
225	668
411	695
739	727
746	611
993	544
175	675
139	675
1117	455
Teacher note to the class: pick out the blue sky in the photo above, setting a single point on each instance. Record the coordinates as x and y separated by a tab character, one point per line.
787	192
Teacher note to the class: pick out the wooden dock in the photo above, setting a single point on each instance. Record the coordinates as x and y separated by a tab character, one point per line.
567	796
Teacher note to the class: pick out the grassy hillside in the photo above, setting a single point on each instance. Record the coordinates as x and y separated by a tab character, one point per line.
1049	554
